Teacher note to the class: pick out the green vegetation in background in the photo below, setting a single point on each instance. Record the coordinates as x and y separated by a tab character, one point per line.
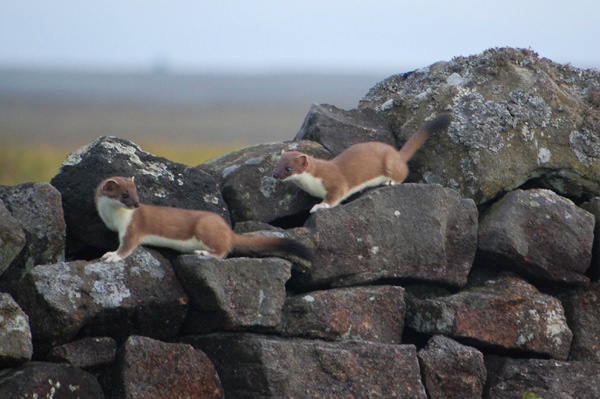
22	162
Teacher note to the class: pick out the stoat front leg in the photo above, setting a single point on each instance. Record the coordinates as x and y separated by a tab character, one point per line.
322	205
112	257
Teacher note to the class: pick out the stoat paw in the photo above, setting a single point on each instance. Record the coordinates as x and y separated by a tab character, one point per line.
322	205
203	253
111	257
389	183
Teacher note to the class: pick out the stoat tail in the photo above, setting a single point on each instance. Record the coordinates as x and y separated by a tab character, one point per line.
284	244
433	126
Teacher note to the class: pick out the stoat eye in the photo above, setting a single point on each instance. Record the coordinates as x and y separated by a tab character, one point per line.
288	169
125	196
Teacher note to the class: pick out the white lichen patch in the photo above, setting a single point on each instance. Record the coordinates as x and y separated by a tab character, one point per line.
146	264
267	186
109	289
58	286
544	156
76	156
155	169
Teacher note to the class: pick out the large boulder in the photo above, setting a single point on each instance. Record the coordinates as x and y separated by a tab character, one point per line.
539	234
233	294
507	314
357	313
408	231
150	369
517	118
253	366
37	207
138	295
251	192
158	180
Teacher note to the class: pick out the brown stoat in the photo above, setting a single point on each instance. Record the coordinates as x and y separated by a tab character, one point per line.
354	169
185	230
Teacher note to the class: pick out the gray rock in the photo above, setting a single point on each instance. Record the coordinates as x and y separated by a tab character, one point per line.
548	379
138	295
12	238
86	353
248	186
408	231
48	380
517	118
507	313
582	309
38	210
233	294
150	369
158	180
593	206
452	370
15	336
373	314
539	234
253	366
337	129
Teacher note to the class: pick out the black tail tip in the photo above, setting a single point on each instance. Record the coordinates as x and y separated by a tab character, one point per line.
298	249
438	123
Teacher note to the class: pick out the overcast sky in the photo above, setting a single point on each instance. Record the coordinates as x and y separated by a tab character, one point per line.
370	36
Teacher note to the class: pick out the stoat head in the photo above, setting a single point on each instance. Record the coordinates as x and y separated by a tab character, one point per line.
120	191
290	163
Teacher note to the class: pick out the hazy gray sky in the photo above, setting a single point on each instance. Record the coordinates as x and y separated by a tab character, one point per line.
272	35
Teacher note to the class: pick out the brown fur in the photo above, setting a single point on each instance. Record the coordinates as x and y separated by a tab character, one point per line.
118	205
359	166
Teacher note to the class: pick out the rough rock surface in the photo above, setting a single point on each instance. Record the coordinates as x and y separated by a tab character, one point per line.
48	380
359	313
451	370
409	231
583	314
15	336
233	294
158	180
548	379
164	371
12	238
531	322
517	118
139	294
337	129
249	188
86	353
38	210
539	234
268	367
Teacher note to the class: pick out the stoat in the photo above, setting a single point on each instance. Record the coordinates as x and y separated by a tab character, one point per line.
185	230
356	168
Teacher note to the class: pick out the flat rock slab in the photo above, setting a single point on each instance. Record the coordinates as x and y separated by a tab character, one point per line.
452	370
86	353
151	369
253	366
233	294
548	379
506	313
408	231
373	314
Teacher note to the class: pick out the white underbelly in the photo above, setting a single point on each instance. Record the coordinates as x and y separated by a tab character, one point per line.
377	181
309	183
186	246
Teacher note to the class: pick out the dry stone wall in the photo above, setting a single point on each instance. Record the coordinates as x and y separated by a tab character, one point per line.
477	278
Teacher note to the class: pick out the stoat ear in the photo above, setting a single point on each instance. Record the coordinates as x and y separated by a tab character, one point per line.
110	184
132	178
282	151
303	159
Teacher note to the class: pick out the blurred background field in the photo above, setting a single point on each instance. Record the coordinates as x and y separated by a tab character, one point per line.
186	118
